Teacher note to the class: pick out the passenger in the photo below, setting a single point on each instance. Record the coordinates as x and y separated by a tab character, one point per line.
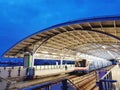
65	66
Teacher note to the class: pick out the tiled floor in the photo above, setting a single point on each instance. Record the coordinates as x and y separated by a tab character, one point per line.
116	75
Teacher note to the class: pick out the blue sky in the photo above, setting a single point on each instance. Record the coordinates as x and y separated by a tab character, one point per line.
21	18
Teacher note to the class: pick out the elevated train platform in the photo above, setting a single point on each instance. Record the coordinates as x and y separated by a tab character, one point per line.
76	82
60	30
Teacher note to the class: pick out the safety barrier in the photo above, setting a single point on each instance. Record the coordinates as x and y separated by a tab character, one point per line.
8	72
106	82
47	67
5	84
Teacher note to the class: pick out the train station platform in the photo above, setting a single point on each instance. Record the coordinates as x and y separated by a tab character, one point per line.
41	70
116	76
13	75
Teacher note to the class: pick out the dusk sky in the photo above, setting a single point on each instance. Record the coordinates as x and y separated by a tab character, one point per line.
22	18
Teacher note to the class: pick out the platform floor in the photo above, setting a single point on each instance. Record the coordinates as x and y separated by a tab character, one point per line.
116	75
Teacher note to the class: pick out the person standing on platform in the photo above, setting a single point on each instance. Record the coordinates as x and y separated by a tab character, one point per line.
65	66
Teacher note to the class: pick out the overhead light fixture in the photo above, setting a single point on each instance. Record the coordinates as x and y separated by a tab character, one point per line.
78	54
46	55
103	47
44	52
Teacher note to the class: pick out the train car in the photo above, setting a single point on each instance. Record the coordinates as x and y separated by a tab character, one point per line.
82	66
114	62
85	66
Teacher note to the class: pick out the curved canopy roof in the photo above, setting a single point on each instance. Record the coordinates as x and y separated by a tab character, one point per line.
100	39
22	18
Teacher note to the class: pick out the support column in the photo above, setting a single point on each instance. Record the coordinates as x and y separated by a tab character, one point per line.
28	64
32	63
33	56
27	60
61	59
56	64
61	62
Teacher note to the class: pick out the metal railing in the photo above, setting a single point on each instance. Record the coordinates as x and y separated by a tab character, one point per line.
106	82
9	72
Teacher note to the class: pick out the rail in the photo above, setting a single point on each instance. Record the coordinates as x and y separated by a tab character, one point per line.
85	82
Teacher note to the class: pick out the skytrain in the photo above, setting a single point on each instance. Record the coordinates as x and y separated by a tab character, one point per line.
85	66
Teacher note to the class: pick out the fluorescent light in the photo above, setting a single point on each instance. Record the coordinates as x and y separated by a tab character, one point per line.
44	52
78	54
103	47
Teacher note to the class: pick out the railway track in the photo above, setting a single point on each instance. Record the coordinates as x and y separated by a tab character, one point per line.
86	82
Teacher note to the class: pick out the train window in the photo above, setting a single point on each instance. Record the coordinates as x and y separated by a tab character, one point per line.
83	63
